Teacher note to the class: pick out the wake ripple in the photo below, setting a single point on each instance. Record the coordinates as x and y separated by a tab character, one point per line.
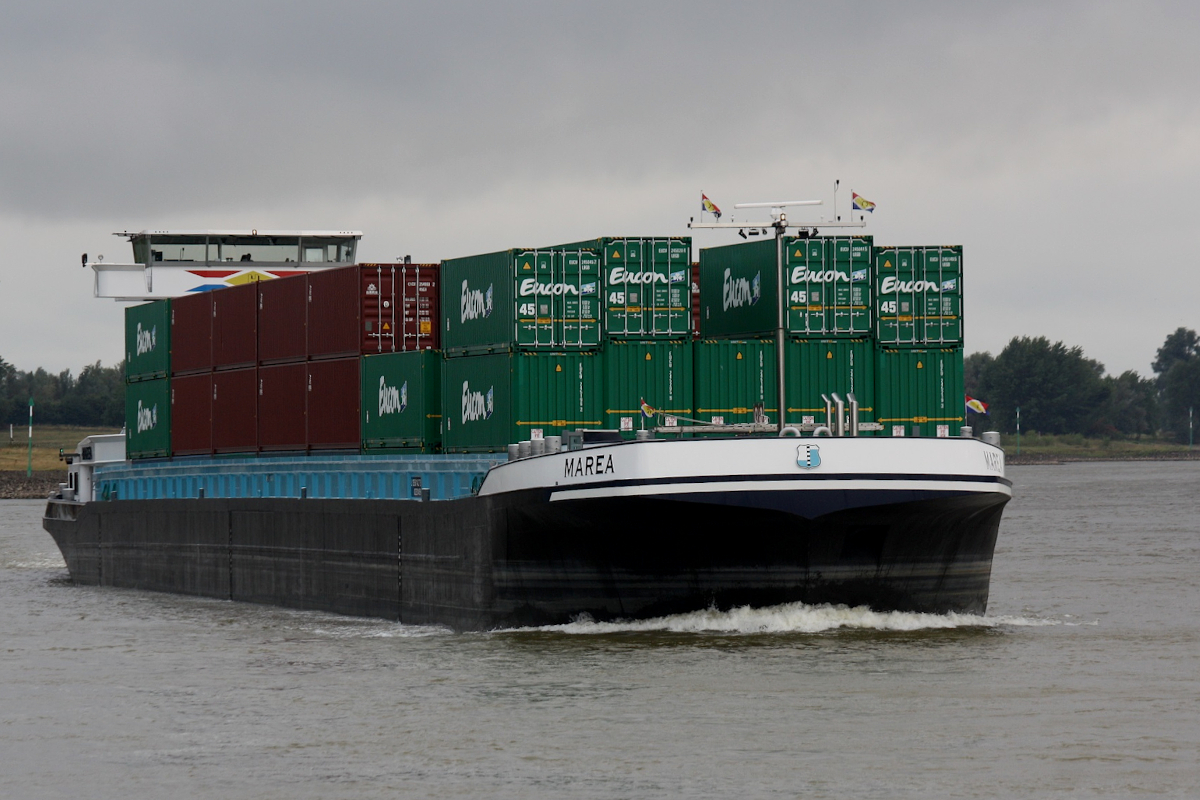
794	618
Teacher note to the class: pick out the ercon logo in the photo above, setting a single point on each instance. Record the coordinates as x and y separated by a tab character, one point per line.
476	405
618	275
738	292
146	339
530	286
891	284
147	418
391	399
805	275
474	304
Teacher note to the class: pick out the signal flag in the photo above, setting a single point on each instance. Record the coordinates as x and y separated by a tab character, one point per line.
861	203
978	406
709	206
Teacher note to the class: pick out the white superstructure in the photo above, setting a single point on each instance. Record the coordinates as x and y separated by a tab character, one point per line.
170	263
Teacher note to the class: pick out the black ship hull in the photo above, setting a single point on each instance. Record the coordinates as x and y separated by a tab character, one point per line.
516	559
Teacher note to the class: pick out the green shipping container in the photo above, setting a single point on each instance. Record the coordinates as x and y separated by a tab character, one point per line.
148	418
738	290
148	341
732	376
920	388
828	286
919	296
646	285
816	367
521	300
658	372
402	402
491	401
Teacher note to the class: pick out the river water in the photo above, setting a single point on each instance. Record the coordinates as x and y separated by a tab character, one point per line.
1082	680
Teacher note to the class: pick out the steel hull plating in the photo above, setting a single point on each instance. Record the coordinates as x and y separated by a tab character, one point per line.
620	547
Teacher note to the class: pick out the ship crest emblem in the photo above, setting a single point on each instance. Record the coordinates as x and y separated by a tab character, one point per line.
808	456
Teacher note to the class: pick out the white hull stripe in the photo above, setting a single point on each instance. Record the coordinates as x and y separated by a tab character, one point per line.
965	485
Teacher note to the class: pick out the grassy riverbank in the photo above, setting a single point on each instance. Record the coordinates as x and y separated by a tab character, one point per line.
47	439
1037	448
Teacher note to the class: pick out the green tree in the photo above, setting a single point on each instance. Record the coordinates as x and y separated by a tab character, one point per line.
1182	345
1131	408
1179	382
1058	389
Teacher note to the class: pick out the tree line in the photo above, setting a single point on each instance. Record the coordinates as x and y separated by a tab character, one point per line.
96	397
1060	390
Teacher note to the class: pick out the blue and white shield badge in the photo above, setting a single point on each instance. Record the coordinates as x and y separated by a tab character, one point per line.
808	456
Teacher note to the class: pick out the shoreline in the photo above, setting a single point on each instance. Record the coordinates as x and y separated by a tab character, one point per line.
16	485
1042	459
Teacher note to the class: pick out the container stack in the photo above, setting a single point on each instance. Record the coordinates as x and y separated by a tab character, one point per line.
578	335
320	361
919	330
536	342
147	380
521	338
647	329
829	327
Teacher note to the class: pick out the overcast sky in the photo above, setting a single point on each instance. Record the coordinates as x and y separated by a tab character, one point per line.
1059	143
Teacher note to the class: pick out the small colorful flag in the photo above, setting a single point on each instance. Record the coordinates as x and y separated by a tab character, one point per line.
978	406
861	203
709	206
647	411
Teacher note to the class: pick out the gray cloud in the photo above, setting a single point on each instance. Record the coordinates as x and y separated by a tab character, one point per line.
1055	142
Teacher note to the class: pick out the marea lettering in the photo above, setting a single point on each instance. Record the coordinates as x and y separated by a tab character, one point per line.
805	275
530	287
891	284
582	466
147	418
738	292
391	399
476	405
618	275
474	304
146	339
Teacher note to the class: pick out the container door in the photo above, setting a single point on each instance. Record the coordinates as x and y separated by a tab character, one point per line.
235	411
191	415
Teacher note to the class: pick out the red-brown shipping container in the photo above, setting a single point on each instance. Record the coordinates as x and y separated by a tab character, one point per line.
283	320
191	333
235	326
422	307
235	411
191	415
394	307
695	300
334	313
333	404
281	403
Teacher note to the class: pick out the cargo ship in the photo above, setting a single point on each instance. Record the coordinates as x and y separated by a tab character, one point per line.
578	440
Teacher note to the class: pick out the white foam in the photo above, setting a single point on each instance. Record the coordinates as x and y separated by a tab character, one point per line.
793	618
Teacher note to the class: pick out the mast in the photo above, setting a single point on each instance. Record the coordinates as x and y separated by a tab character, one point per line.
780	223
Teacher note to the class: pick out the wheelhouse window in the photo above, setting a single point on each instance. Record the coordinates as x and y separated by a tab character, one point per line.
238	249
328	250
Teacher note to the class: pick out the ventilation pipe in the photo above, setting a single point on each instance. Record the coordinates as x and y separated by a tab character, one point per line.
839	424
